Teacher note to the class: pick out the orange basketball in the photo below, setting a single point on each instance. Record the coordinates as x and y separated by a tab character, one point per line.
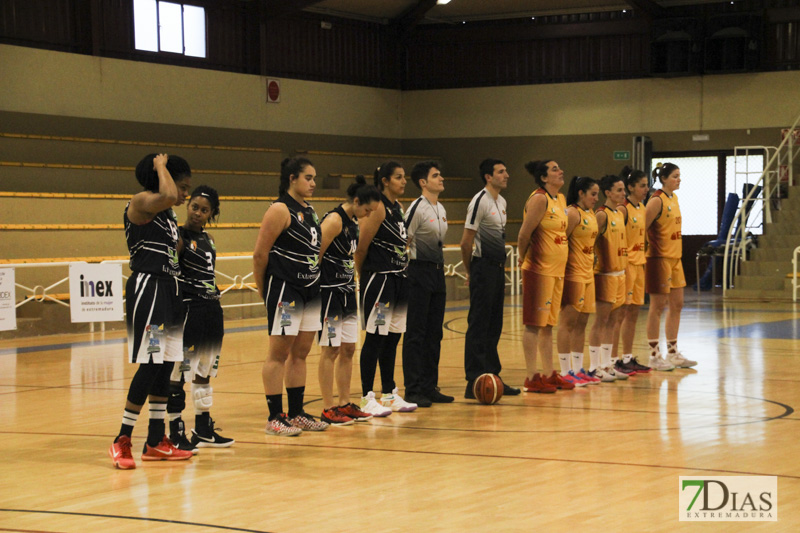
488	389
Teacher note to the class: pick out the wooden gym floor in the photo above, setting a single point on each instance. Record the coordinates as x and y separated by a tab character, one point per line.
607	458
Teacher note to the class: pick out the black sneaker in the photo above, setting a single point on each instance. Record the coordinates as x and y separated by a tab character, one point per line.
419	399
209	438
640	368
510	391
177	434
437	397
469	393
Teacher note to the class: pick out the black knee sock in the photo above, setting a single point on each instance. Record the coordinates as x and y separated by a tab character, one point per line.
295	397
369	360
275	405
386	359
156	428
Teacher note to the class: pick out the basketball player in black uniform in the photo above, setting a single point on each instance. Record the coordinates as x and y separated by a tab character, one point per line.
339	311
381	261
153	304
203	330
286	270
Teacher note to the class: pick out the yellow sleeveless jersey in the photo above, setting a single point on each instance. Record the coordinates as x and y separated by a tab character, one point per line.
580	265
611	246
547	254
664	234
635	233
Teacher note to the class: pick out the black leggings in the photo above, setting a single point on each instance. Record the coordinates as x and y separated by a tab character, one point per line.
150	380
379	349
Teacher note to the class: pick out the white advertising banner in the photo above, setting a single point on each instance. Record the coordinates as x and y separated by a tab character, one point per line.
8	298
95	292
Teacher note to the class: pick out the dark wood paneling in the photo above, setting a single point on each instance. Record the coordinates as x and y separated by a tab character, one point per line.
243	37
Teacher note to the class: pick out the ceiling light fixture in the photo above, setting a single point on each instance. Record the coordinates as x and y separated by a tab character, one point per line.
442	2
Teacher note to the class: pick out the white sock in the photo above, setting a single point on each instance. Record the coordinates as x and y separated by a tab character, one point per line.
563	360
173	416
594	357
605	354
577	361
627	358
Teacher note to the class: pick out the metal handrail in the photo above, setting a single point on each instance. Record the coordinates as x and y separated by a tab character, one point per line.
739	246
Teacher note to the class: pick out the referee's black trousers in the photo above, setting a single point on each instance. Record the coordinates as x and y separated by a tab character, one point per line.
487	285
427	296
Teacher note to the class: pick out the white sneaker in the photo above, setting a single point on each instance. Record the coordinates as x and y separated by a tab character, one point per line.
679	361
604	377
396	403
617	375
658	363
371	406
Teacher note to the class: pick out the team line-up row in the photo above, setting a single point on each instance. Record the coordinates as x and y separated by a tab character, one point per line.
575	261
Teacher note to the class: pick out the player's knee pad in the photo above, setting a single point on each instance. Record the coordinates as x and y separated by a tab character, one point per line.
202	397
176	402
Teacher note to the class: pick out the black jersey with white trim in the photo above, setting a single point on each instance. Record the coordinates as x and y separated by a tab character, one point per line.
154	246
198	261
387	252
337	263
294	258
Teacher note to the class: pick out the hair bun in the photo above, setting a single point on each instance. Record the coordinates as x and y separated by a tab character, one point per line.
361	180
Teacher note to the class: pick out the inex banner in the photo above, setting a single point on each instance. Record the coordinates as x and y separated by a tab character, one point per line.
95	292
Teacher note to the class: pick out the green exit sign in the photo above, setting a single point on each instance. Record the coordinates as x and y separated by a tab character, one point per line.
622	155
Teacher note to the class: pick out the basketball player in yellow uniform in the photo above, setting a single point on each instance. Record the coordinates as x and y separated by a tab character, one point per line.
578	300
543	254
634	210
664	279
612	258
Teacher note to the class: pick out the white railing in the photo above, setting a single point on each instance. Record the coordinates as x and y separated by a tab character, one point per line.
41	293
781	160
512	277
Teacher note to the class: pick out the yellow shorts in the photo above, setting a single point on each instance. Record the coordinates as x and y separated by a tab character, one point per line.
541	299
610	289
664	274
580	295
634	284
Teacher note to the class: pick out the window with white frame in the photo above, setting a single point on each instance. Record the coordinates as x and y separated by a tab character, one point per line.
169	27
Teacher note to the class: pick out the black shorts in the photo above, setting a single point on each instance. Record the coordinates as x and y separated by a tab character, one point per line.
154	318
202	340
290	309
384	303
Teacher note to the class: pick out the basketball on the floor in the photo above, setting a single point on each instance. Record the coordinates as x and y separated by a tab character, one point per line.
488	389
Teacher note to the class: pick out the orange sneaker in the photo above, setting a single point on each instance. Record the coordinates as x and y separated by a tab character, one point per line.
120	453
537	384
165	451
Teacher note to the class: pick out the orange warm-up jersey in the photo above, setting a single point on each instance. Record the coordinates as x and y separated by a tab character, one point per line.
664	234
611	246
580	265
635	233
547	254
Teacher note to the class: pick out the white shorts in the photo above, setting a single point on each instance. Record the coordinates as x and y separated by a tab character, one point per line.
289	311
384	302
339	319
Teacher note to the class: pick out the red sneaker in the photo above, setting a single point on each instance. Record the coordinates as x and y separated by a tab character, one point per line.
558	382
538	385
165	451
335	417
354	412
120	453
